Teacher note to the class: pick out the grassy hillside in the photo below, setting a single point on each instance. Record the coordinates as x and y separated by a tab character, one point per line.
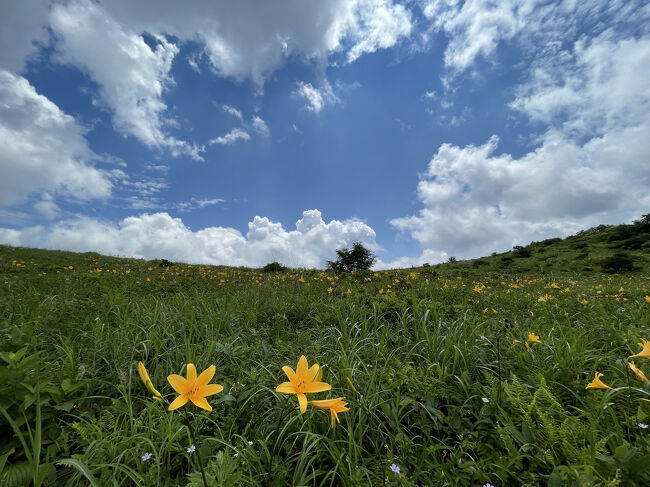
450	388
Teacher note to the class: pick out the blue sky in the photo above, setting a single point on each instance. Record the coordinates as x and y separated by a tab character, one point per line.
259	131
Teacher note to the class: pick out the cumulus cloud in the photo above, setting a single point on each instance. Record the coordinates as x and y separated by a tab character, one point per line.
158	235
265	34
131	76
231	137
23	25
591	163
43	149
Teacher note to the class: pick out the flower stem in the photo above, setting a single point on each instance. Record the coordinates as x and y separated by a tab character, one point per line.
198	453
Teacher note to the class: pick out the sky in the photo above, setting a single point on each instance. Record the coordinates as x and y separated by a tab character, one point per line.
241	133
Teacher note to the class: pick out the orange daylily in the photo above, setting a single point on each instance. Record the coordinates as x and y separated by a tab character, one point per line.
645	352
194	388
597	383
638	372
302	381
334	406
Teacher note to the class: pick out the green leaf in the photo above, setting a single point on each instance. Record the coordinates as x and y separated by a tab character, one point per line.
81	467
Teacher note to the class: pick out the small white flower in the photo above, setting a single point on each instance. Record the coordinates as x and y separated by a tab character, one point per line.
250	443
191	449
485	400
643	426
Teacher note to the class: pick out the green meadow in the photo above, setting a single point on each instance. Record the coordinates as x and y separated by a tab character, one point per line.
461	374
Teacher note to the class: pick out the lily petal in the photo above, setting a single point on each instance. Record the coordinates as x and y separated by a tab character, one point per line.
191	373
302	366
312	387
290	373
286	387
202	402
210	389
302	400
178	383
205	377
312	373
176	403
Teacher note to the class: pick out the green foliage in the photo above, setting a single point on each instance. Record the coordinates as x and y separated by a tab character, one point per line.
618	263
422	357
357	258
274	267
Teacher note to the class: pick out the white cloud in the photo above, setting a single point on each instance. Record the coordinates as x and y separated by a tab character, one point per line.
600	85
475	202
131	76
251	39
539	28
378	25
260	126
195	203
231	137
316	99
43	150
233	111
23	25
159	235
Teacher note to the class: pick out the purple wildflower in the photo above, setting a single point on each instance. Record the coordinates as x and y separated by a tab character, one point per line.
509	324
395	468
146	456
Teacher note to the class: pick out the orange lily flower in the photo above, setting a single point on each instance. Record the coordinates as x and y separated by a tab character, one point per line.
194	388
597	383
302	381
334	406
645	352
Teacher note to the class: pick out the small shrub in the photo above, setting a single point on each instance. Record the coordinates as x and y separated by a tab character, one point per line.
451	259
521	252
617	263
479	262
550	241
355	259
165	263
274	267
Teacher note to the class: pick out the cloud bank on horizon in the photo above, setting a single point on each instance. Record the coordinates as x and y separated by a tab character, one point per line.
423	129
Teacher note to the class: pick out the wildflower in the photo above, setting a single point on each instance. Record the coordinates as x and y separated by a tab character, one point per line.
597	383
194	388
302	382
647	299
488	484
643	426
334	406
584	301
395	468
351	384
191	449
509	324
329	289
144	377
485	400
645	352
348	291
514	342
146	456
250	443
638	372
533	338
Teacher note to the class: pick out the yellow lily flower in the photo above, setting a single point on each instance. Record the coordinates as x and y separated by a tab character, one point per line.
533	338
645	352
194	388
144	377
597	383
302	381
638	372
334	406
